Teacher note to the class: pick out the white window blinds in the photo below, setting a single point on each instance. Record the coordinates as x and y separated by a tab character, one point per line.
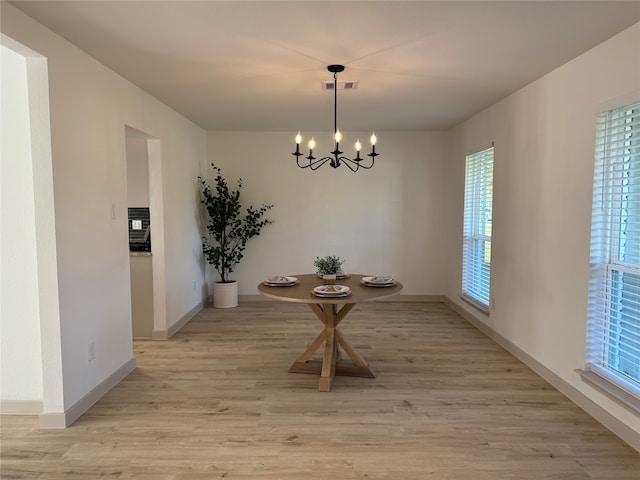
613	329
476	255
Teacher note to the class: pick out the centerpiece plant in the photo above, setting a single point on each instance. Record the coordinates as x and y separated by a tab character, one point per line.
229	228
329	265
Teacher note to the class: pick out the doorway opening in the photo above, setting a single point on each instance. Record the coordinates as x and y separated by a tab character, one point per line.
31	366
146	242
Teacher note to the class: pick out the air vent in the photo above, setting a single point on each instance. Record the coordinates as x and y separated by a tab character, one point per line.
328	85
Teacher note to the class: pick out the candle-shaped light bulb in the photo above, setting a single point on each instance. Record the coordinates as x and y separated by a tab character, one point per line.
312	144
358	145
374	139
338	136
298	138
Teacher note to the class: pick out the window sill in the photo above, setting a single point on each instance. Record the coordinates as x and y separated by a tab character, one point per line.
475	303
614	392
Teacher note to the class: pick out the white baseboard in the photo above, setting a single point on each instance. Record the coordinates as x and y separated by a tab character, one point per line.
20	407
399	298
51	421
63	420
620	429
173	329
417	298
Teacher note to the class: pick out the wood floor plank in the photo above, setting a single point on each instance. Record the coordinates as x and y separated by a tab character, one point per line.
217	401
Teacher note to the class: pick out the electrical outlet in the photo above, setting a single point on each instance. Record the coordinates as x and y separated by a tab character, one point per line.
92	351
493	303
194	285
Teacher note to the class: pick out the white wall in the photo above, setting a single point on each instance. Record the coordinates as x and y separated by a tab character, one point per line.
90	106
385	220
543	174
137	171
19	316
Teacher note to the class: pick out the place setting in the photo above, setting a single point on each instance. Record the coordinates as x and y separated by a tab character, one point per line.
331	291
281	281
378	281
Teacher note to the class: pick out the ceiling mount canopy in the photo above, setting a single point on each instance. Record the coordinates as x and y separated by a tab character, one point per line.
354	164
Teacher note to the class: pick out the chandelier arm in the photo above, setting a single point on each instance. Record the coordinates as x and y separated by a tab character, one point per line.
308	164
318	163
349	162
313	164
300	166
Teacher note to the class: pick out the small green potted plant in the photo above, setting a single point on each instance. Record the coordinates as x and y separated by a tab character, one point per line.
329	267
228	231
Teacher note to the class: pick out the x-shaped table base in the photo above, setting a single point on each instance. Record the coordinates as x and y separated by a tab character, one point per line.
334	343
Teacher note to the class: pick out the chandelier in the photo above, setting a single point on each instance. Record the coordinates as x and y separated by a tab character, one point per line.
354	164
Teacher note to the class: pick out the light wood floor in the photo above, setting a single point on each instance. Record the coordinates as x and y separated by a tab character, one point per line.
216	401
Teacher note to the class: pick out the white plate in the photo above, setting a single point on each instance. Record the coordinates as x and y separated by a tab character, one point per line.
381	280
280	281
340	295
332	290
378	285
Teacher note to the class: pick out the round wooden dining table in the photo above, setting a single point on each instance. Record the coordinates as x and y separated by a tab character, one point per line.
330	311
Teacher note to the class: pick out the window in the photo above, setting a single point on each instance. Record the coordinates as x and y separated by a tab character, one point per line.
476	255
613	329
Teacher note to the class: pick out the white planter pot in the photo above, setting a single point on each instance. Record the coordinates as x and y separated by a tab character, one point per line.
329	279
225	295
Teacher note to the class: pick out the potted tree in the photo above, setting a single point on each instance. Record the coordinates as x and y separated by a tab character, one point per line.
228	231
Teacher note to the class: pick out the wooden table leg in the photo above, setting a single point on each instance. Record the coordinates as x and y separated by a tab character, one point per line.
333	339
328	372
360	368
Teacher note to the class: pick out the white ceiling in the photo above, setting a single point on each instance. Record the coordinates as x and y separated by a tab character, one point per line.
422	65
